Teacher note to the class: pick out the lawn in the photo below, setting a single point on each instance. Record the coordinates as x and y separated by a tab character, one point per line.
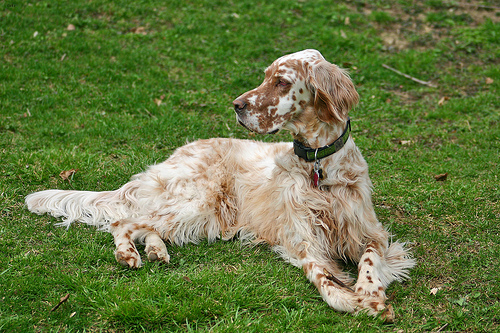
107	88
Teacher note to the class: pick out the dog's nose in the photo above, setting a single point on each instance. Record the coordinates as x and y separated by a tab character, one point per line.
239	105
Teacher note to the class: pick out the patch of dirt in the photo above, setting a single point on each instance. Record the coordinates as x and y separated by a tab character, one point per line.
394	39
416	21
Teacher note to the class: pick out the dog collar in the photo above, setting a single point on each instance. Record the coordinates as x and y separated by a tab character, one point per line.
313	154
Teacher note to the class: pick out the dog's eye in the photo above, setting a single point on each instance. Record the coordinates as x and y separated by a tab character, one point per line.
282	83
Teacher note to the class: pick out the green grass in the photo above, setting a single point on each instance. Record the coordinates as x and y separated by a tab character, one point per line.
88	99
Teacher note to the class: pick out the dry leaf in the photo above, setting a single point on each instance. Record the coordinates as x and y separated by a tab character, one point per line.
139	31
404	142
185	278
343	34
489	80
347	20
71	27
67	173
442	100
442	177
158	101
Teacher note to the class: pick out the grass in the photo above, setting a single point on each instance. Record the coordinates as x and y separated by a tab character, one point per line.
130	81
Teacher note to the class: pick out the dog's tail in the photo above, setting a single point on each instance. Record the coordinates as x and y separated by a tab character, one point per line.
98	209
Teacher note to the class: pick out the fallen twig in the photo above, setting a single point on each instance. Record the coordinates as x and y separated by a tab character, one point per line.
442	328
410	77
63	299
330	277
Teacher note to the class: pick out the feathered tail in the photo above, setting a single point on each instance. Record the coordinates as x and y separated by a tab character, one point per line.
98	209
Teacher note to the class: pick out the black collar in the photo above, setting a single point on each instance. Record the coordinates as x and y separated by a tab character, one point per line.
312	154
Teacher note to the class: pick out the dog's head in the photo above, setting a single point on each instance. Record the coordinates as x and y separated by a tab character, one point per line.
292	84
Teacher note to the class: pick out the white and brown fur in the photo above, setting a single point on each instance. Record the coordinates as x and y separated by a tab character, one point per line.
261	192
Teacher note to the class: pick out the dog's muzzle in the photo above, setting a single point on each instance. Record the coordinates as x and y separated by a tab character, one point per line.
240	107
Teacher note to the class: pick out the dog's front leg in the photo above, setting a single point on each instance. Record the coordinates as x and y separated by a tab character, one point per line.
335	292
370	286
367	296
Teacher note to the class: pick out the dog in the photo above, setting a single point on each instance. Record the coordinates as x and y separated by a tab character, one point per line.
309	200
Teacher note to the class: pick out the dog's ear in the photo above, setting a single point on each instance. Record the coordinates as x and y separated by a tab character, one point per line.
334	92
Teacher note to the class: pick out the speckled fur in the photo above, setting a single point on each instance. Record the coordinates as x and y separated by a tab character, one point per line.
262	192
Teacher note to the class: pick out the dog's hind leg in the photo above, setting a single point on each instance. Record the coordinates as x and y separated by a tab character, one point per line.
155	248
129	231
126	253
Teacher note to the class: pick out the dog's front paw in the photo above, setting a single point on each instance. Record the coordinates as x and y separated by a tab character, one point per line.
371	298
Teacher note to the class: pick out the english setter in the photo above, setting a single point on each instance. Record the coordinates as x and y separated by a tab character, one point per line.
309	200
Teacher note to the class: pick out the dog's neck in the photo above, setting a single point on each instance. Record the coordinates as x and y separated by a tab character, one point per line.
311	132
310	154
